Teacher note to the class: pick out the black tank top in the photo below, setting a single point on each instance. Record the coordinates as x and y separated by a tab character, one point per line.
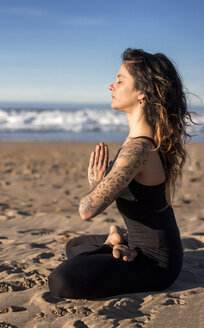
150	221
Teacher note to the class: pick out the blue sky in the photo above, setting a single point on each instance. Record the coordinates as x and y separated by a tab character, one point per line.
66	51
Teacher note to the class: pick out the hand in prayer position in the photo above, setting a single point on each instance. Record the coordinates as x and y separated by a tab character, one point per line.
98	164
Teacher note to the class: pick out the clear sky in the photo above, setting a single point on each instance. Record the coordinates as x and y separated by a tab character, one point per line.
66	51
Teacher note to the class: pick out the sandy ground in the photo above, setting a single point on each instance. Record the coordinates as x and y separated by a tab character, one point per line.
40	188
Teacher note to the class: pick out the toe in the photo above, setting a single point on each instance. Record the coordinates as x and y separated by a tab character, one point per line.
116	253
125	258
113	228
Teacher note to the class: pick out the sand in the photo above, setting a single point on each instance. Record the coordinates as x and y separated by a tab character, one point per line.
40	188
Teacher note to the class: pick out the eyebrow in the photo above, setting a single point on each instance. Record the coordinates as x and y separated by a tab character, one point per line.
121	76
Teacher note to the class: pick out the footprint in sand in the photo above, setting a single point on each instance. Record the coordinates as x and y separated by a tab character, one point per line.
13	308
11	286
80	324
41	315
36	245
11	268
32	280
124	308
35	280
174	301
61	311
4	324
45	255
37	232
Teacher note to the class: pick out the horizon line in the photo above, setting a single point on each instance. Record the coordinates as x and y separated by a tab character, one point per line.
69	103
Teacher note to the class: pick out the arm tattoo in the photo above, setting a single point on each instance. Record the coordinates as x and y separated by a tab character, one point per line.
92	182
130	161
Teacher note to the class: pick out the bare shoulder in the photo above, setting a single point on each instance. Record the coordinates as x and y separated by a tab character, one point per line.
135	153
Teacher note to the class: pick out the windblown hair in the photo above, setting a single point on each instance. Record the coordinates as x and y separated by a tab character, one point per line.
166	107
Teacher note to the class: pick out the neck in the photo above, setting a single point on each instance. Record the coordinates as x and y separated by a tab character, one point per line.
138	124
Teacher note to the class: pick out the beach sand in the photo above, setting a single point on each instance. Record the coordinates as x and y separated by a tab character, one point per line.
40	188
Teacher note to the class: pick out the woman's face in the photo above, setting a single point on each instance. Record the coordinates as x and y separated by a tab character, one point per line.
124	94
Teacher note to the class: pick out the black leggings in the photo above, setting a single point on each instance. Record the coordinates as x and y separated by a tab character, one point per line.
91	271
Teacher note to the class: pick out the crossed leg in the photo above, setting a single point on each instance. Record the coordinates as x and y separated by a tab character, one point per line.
92	271
97	273
117	239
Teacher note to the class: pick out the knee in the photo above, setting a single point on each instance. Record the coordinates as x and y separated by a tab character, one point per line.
63	282
70	245
56	283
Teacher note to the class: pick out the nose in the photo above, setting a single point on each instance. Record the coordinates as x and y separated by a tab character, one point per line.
111	86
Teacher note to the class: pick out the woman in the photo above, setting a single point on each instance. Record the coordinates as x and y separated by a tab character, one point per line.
141	179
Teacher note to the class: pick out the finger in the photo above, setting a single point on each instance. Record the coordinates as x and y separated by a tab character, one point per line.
101	155
97	152
106	157
91	160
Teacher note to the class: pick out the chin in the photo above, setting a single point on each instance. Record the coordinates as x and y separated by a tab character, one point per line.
117	108
114	106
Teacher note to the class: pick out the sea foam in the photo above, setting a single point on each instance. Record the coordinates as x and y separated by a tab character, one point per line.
75	121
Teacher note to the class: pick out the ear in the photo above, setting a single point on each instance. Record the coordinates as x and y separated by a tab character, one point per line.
141	96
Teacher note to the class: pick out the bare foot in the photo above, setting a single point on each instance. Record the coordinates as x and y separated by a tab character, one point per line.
117	240
115	236
124	252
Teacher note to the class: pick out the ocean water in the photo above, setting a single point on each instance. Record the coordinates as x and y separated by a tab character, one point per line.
73	123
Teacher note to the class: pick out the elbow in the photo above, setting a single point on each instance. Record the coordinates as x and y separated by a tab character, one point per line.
84	216
83	211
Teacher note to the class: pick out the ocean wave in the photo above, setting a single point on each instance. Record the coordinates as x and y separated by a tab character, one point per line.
60	120
80	120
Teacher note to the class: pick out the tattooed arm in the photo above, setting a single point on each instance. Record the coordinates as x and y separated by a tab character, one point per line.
129	163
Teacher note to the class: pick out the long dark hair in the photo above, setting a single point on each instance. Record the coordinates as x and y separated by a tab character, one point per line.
166	106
